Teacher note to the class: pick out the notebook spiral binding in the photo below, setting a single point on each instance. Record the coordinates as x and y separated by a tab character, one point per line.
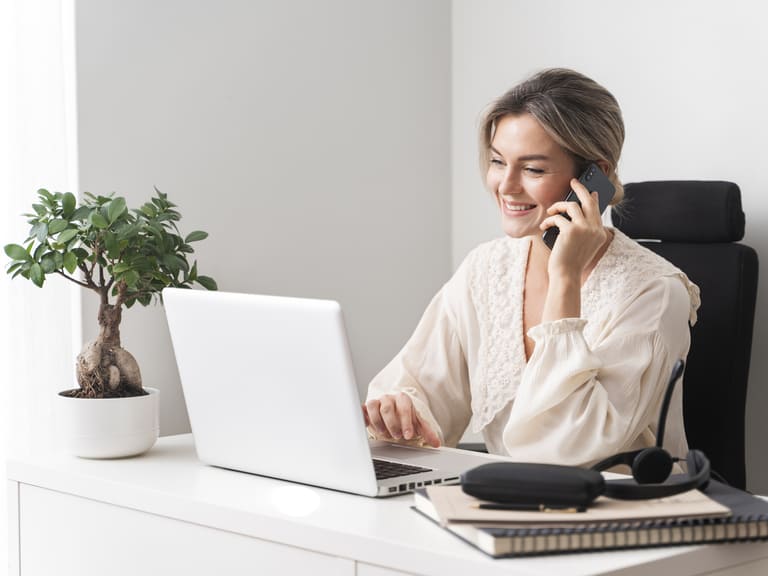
623	535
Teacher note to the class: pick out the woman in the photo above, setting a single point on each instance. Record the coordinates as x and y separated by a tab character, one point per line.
559	355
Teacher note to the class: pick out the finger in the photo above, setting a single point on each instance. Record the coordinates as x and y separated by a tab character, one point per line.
365	415
589	200
591	208
374	415
407	413
568	209
390	417
557	220
426	432
582	192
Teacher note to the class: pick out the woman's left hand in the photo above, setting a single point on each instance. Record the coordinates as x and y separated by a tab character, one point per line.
580	238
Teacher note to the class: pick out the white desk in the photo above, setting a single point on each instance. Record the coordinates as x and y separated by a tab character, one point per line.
166	513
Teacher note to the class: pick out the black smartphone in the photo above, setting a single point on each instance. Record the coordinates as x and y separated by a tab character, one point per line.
596	181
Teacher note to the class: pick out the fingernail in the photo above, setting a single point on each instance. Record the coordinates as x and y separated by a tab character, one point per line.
407	434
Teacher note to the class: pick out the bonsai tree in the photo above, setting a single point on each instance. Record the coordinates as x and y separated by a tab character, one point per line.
125	256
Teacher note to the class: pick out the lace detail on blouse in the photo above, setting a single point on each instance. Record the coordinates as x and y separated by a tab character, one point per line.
497	282
623	270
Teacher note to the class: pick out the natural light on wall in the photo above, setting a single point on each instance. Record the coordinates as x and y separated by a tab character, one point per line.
5	88
38	145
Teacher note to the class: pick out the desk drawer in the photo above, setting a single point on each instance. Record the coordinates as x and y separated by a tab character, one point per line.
67	535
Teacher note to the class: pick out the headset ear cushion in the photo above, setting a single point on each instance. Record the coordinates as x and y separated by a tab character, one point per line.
652	466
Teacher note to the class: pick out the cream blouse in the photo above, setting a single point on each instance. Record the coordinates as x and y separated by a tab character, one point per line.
593	385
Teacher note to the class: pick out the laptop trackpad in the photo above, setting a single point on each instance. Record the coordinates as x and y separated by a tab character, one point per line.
427	457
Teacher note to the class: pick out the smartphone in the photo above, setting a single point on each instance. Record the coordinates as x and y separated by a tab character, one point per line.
595	180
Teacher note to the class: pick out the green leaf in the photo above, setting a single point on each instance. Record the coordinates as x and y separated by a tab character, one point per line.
41	231
149	210
110	243
127	231
81	213
68	202
33	229
196	236
169	215
121	267
47	263
207	282
39	251
40	209
16	252
36	275
183	264
131	278
98	220
122	223
56	226
172	262
67	235
116	208
70	262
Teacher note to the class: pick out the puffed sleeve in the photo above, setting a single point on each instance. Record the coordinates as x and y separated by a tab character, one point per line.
577	404
432	369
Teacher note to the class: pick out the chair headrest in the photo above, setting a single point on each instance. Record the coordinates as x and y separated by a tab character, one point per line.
681	211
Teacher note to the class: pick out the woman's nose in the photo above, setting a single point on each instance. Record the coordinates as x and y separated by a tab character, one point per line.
510	183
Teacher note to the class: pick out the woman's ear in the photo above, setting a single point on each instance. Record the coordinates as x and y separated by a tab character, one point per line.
605	167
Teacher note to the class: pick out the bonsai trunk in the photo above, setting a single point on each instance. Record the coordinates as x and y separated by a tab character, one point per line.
104	369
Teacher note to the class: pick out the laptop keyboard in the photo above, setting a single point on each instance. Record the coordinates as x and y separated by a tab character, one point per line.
385	469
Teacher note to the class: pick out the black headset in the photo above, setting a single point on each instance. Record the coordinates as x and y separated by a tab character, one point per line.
651	467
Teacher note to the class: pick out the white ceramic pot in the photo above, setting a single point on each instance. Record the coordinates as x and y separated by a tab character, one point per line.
108	427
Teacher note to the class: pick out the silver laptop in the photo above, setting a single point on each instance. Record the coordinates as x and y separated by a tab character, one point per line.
270	390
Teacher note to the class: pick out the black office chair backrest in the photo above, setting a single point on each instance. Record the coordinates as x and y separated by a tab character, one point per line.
697	226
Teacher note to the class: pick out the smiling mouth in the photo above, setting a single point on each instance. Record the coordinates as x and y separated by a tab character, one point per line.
517	207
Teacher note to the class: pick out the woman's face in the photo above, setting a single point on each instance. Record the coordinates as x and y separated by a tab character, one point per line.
528	172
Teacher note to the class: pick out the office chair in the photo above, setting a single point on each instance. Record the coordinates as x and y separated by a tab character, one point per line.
697	226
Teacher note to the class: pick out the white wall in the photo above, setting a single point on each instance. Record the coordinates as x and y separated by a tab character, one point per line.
310	139
690	78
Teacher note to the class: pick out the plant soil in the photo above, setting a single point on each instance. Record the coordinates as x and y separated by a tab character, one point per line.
119	393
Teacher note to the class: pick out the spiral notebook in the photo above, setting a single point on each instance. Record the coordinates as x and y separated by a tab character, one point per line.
747	521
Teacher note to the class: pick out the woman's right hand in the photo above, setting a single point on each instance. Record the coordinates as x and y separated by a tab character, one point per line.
393	417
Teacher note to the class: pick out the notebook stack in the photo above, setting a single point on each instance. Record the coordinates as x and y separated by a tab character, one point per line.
723	514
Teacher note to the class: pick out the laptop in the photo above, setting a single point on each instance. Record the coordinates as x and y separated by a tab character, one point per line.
270	389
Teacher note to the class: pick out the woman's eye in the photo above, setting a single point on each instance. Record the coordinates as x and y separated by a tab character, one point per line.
532	170
497	162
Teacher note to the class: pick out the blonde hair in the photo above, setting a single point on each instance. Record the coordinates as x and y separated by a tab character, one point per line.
577	112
